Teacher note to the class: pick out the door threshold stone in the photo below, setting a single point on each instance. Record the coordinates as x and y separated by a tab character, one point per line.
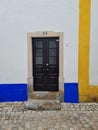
38	104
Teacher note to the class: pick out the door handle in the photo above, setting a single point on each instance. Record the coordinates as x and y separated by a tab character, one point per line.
47	64
45	69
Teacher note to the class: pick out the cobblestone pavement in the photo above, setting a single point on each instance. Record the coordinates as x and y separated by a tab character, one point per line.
82	116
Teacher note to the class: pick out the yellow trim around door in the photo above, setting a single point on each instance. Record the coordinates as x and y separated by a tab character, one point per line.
86	92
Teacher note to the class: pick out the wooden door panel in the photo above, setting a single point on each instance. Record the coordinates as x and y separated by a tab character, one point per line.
39	80
38	70
52	80
53	70
45	64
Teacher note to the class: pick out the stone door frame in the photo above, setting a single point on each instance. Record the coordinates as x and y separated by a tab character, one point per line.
31	35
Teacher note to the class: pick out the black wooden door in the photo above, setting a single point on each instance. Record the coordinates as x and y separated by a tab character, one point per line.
45	63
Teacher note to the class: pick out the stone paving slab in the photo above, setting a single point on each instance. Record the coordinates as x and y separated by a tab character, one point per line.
43	104
82	116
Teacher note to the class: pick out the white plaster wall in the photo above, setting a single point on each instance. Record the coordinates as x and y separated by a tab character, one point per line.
94	44
17	17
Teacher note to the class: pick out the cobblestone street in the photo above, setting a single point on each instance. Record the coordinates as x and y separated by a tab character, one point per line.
82	116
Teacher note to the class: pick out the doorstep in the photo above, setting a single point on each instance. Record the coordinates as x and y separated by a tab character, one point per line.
37	104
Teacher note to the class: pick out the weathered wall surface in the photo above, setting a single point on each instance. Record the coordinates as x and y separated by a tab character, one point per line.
87	72
19	17
77	19
94	44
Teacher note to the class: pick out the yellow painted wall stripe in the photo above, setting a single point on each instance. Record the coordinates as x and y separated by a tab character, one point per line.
86	92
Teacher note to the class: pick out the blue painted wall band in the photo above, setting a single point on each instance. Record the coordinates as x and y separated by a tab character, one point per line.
13	92
71	93
18	92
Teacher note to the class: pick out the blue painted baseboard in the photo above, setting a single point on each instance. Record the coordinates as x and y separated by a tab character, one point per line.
13	92
71	93
18	92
